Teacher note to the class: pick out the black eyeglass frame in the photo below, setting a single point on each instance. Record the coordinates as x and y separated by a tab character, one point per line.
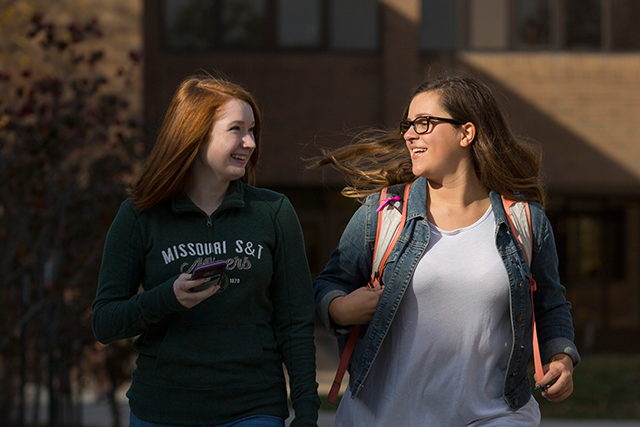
406	124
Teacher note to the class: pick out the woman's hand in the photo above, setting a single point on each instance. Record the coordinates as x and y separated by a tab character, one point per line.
560	370
357	308
182	288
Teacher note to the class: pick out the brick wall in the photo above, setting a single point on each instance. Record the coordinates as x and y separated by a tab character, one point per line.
307	98
583	108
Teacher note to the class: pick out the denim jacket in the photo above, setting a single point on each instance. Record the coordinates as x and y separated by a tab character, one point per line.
350	267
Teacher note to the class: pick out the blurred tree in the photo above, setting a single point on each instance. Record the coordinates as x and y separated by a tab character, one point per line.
69	144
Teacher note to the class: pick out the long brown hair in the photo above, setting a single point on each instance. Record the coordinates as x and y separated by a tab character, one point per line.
503	162
186	126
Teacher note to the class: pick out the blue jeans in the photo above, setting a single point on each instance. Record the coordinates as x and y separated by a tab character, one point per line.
252	421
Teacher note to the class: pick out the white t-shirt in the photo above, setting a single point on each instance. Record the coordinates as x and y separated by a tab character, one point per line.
444	359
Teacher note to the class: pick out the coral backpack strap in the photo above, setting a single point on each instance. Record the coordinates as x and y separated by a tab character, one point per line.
390	224
392	214
519	216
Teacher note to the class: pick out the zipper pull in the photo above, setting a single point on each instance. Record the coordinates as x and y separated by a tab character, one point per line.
209	223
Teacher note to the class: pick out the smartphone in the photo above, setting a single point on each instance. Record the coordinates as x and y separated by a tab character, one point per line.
544	387
212	273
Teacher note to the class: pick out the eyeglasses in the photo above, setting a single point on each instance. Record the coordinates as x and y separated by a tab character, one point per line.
422	124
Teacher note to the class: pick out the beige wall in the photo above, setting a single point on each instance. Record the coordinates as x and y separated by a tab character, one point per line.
583	108
488	24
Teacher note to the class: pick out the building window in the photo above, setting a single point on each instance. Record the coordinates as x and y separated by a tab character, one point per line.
533	24
299	23
626	31
205	25
439	25
354	24
202	25
574	25
582	24
591	244
188	25
242	23
592	239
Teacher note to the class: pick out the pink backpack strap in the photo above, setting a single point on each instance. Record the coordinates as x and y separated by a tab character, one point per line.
508	206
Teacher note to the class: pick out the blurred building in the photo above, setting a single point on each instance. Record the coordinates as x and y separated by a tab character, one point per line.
566	71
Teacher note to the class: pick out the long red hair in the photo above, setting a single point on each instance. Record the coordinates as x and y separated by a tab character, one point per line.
186	126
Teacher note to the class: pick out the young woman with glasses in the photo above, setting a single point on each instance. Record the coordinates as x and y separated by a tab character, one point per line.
447	337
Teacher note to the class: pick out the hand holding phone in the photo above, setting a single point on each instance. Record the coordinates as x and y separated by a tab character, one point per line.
545	387
211	272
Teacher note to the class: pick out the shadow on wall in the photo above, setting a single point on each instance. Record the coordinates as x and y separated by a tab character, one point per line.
575	169
571	165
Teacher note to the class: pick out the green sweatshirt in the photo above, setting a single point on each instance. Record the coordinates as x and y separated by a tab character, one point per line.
222	359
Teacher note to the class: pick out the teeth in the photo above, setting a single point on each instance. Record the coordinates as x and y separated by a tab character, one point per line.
419	150
239	156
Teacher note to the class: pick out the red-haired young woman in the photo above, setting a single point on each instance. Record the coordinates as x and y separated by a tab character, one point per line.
214	356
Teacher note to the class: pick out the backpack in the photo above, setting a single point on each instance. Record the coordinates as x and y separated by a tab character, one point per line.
519	217
392	214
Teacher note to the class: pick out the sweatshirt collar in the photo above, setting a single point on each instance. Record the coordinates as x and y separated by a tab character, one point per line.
233	199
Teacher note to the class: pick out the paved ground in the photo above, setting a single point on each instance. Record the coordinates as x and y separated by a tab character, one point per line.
98	415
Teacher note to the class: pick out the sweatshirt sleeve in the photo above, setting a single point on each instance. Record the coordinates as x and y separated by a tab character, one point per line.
293	308
119	311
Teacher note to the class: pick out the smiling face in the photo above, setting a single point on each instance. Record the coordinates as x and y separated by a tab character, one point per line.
442	153
224	156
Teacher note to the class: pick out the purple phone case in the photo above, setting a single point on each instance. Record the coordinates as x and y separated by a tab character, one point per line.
210	272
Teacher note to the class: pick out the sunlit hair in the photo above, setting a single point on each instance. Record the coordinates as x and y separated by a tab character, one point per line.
186	127
503	162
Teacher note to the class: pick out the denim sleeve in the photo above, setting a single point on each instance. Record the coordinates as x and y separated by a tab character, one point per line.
552	310
348	268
